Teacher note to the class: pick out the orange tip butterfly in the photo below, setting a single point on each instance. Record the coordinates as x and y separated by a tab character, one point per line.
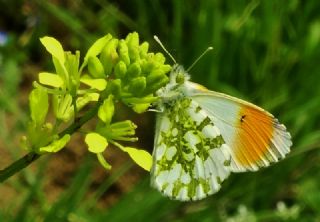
202	136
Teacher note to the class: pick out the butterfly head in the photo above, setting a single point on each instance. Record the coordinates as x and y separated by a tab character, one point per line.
178	75
177	80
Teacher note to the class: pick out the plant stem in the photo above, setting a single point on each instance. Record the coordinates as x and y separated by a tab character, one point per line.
18	165
26	160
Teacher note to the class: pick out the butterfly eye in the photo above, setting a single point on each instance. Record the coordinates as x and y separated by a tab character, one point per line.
180	78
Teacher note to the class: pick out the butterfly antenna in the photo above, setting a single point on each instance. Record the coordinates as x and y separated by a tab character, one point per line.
164	49
197	60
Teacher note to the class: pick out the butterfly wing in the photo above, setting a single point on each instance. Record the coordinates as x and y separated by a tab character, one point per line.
255	137
191	158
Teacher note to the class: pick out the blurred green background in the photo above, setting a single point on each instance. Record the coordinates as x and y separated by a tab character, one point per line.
267	52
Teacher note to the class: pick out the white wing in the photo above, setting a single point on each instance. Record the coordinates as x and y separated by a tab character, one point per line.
255	137
190	156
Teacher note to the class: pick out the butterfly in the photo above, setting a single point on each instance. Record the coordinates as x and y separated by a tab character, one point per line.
202	136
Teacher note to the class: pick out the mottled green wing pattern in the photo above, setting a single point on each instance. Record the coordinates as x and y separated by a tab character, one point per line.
191	158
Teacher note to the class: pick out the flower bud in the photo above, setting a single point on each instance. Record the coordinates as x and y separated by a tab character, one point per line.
114	87
106	110
155	76
39	105
120	70
137	85
165	68
159	57
132	39
147	66
120	131
109	56
144	47
133	46
62	106
95	67
124	52
124	125
72	67
140	108
134	70
154	85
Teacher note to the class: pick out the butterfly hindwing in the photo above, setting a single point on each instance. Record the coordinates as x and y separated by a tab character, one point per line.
191	158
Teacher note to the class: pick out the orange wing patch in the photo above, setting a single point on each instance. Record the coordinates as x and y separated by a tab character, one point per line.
254	136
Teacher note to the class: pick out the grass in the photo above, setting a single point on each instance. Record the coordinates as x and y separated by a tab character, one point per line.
266	52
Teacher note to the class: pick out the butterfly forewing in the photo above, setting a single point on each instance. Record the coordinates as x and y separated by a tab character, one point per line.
255	137
191	158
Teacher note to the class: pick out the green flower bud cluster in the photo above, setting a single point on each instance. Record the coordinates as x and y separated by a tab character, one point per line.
133	72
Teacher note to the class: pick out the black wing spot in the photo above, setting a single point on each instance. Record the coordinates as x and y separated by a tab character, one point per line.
242	118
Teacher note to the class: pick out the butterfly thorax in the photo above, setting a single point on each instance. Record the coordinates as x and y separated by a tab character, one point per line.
178	88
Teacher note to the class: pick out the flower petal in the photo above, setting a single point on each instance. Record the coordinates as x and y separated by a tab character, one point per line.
96	143
141	157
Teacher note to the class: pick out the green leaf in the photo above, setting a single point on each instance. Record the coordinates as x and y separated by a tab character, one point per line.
38	102
141	157
99	84
96	48
56	145
96	143
106	110
50	79
103	161
54	47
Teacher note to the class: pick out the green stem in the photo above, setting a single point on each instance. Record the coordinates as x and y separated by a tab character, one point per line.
118	145
74	103
26	160
18	165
